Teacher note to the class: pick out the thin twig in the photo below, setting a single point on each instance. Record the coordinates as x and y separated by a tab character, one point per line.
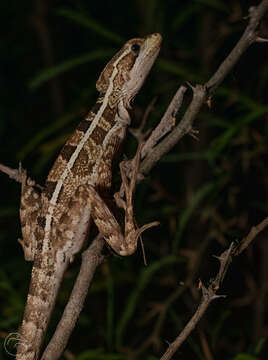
167	122
20	175
255	230
161	310
203	92
138	132
15	174
208	296
209	293
200	94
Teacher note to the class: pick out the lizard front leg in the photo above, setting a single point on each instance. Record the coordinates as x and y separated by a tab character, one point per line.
29	213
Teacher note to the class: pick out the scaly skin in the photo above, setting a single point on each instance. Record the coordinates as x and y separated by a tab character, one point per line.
56	223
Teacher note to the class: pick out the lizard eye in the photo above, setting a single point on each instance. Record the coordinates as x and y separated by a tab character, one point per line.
135	48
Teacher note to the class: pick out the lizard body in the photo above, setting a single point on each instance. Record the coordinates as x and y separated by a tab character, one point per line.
72	198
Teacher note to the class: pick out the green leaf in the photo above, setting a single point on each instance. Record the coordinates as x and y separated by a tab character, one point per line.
222	141
219	143
247	102
153	14
184	15
218	326
260	345
99	354
173	68
49	73
47	152
190	340
143	279
244	356
185	216
43	133
90	23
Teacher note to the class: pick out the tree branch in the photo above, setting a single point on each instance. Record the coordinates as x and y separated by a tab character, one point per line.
203	92
209	294
91	259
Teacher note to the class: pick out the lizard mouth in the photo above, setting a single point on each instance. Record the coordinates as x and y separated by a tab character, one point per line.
143	64
152	44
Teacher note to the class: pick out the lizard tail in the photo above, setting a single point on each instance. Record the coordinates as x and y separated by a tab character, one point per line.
41	299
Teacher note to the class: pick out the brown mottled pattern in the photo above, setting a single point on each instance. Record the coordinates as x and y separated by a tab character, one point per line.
104	173
41	221
38	233
113	98
92	150
98	135
67	151
109	115
41	297
39	245
83	125
74	184
75	138
82	164
37	263
49	189
57	169
104	124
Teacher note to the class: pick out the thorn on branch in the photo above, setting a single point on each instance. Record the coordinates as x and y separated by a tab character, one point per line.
190	85
260	39
16	174
214	297
166	124
209	102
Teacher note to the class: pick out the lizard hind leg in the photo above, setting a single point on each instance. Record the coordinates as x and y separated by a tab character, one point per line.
29	213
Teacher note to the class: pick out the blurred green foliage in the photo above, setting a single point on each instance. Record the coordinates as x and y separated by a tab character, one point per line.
205	193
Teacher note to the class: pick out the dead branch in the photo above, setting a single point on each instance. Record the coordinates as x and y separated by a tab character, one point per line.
209	293
91	259
203	93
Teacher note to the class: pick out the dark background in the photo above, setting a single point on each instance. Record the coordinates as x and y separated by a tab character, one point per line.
205	193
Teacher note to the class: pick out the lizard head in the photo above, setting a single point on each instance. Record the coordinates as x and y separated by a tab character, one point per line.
125	73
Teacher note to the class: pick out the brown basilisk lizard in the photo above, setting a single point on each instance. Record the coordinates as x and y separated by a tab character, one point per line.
56	221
